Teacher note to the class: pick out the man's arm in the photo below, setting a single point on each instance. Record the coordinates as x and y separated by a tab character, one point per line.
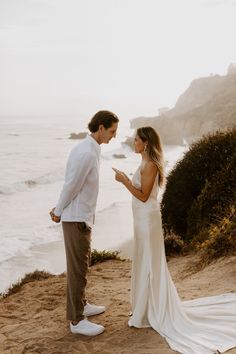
77	171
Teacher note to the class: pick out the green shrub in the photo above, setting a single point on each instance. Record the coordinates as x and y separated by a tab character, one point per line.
173	244
102	256
28	278
192	176
221	239
214	200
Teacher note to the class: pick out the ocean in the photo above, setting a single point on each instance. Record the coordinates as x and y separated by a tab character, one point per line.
33	154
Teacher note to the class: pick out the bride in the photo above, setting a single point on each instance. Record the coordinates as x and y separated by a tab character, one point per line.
200	326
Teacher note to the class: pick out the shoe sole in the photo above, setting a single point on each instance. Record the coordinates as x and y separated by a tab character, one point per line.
89	335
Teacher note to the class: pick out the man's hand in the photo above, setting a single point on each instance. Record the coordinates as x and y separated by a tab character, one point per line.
54	217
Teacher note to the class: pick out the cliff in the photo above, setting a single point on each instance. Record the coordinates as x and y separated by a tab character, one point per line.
207	105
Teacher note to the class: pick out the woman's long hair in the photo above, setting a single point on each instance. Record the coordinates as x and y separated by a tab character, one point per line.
154	149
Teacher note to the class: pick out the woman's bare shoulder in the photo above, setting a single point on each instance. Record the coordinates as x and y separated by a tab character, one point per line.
149	166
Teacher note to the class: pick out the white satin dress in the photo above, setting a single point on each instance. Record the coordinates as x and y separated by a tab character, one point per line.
200	326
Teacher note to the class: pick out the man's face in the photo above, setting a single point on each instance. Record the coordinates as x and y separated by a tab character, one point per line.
108	134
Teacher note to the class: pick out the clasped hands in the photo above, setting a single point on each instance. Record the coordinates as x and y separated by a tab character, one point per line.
54	217
120	176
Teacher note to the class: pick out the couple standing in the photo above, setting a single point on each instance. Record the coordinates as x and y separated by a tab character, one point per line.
205	325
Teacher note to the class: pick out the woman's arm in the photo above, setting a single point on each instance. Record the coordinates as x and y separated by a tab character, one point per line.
148	175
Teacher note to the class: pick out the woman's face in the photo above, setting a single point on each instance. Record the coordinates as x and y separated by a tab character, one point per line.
139	145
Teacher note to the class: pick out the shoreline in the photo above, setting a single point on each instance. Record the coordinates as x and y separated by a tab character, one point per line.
49	257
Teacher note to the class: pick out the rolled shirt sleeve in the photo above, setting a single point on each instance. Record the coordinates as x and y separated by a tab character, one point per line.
77	170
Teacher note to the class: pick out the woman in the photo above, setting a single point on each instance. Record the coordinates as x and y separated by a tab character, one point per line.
200	326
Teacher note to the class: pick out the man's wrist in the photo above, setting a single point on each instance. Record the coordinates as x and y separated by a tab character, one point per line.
54	217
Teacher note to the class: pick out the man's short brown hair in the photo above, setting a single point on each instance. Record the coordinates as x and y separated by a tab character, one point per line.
105	118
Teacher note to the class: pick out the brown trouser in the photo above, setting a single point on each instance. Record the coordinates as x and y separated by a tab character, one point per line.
77	238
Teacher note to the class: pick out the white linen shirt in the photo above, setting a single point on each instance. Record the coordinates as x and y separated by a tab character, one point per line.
78	197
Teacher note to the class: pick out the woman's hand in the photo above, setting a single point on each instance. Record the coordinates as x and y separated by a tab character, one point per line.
121	176
148	176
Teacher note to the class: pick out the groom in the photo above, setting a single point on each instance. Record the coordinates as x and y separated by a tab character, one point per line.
76	210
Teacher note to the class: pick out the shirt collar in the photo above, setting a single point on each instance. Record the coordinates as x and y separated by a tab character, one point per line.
95	143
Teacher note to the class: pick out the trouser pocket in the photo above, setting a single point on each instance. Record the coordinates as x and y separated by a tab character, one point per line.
83	227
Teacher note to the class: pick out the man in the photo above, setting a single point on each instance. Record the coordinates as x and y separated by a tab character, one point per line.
76	210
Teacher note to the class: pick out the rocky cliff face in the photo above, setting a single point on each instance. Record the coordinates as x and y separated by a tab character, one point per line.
207	105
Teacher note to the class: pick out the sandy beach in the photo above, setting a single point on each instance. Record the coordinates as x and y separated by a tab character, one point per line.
33	320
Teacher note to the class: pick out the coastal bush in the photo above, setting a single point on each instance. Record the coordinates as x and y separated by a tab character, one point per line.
201	182
102	256
221	239
214	200
28	278
173	244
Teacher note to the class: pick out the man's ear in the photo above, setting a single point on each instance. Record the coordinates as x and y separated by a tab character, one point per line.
101	128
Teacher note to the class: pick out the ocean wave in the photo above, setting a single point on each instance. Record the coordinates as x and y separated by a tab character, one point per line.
6	190
12	246
22	186
54	176
15	244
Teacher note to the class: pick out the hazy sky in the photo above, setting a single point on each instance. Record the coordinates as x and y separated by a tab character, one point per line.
130	56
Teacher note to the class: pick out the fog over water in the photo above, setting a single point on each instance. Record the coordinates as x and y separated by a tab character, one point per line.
133	56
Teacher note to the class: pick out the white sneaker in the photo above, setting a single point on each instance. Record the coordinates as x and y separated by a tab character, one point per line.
86	328
91	310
